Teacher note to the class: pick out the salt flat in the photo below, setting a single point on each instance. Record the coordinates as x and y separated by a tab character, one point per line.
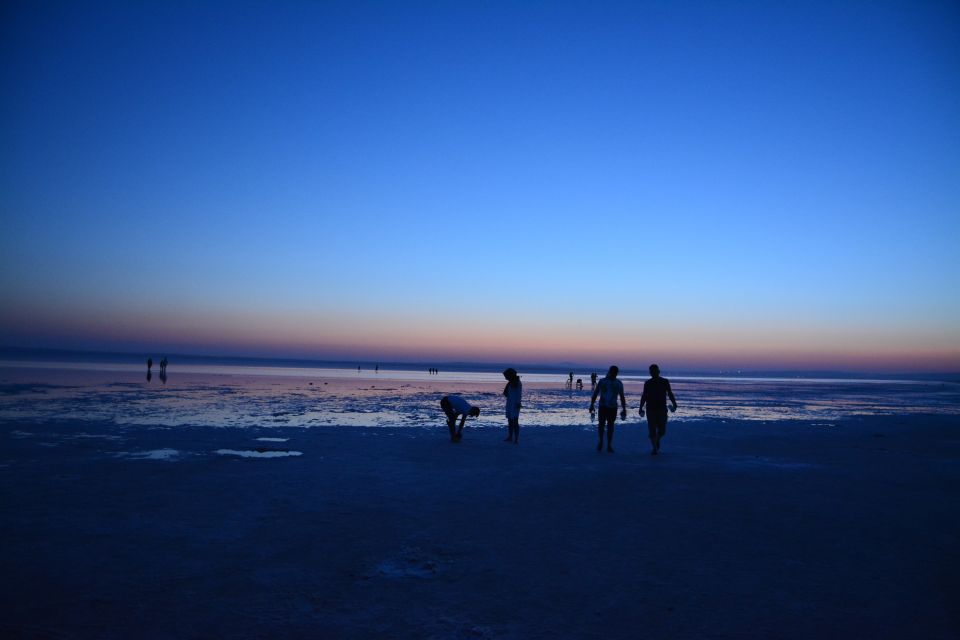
793	529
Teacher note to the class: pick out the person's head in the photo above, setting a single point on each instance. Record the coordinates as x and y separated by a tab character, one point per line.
613	371
474	412
510	373
654	370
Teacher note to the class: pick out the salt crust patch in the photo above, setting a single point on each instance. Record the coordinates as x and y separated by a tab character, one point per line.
258	454
156	454
273	439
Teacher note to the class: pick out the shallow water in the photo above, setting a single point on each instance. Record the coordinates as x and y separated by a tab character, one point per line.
285	397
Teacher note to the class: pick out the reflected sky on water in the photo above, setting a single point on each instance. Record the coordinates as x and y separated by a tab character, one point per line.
283	396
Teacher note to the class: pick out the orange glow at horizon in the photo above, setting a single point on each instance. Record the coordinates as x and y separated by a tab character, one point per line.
335	336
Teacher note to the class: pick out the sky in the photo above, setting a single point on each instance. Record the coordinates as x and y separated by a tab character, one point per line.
715	185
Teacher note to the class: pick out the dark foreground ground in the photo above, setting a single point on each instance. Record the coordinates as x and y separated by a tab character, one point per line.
738	530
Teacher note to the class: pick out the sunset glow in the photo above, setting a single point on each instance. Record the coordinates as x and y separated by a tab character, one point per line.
708	186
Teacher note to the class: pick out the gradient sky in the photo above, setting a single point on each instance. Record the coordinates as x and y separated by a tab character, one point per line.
757	185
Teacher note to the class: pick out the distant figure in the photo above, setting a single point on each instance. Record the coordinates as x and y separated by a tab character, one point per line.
376	369
455	406
593	380
163	367
149	369
608	389
513	392
358	368
579	384
655	392
570	381
163	376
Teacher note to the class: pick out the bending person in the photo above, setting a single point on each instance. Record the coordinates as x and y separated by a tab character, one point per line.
608	389
455	406
655	392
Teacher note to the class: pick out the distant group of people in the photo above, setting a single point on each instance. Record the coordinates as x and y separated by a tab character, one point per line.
579	385
433	371
163	369
609	390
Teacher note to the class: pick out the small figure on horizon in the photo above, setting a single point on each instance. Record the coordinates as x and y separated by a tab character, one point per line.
376	369
579	384
655	392
609	389
593	380
570	381
513	392
454	406
149	369
358	368
163	367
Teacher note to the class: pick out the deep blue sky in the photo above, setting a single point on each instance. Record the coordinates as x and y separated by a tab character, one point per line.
742	183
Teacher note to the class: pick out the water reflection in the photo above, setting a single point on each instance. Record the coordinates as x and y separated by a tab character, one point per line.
255	399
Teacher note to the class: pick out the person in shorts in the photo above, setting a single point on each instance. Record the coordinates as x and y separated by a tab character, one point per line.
454	406
655	393
608	389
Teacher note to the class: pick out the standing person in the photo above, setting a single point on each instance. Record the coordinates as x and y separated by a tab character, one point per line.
455	406
512	392
593	380
149	369
655	392
608	389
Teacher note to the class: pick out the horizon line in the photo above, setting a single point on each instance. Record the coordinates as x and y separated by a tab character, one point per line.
946	376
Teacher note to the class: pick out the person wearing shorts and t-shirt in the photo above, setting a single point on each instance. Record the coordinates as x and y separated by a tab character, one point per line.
608	389
454	406
655	392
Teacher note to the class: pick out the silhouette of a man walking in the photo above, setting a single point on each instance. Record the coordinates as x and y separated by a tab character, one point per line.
609	389
655	392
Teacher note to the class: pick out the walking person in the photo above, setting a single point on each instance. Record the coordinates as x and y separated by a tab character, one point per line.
609	389
454	406
512	392
655	392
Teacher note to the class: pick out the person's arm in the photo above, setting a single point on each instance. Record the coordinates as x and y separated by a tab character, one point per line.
463	419
643	399
672	399
623	403
593	400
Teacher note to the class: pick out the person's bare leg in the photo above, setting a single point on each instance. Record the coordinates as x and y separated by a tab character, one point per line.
600	433
610	438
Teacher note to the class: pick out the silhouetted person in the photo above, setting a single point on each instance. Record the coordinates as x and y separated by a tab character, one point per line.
163	376
513	392
609	389
655	392
376	369
163	366
149	369
579	384
455	406
593	380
